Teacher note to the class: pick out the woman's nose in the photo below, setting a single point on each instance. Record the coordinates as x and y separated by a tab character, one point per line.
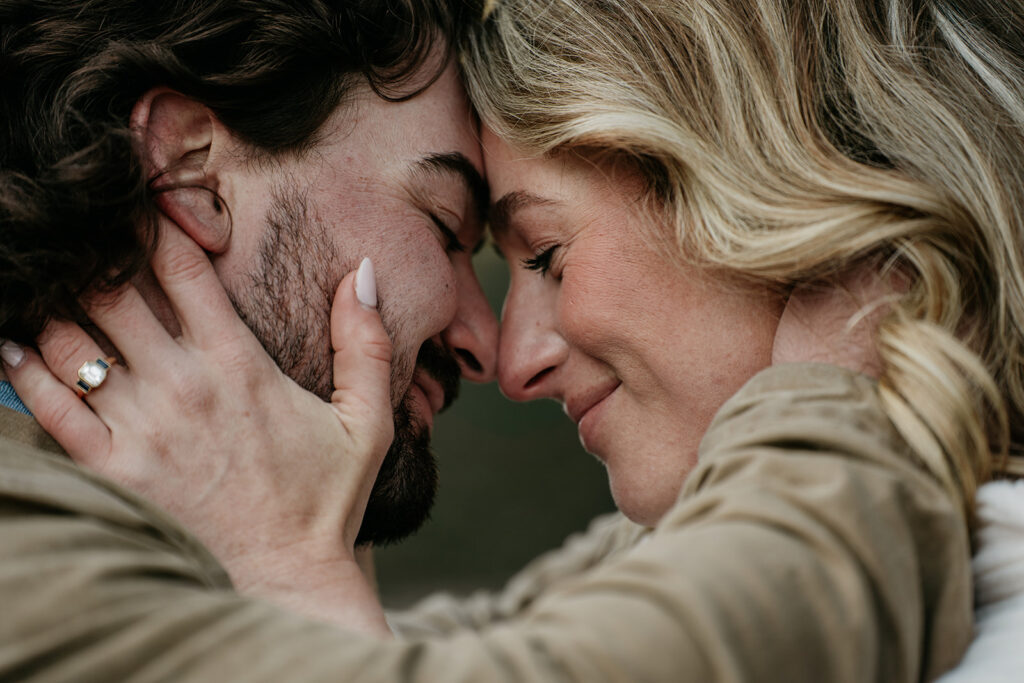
473	334
530	349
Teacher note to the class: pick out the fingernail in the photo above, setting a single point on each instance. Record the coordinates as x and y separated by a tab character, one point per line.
366	284
12	354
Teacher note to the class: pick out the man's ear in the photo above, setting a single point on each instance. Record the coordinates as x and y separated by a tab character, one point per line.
180	140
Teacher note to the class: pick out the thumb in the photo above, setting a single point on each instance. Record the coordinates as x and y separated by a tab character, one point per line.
362	361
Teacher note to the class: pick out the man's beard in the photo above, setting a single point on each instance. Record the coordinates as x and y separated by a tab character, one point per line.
287	306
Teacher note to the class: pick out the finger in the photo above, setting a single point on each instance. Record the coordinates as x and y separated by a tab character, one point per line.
192	287
56	407
362	358
65	348
127	320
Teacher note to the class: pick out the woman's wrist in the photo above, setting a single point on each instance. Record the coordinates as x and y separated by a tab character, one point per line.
320	581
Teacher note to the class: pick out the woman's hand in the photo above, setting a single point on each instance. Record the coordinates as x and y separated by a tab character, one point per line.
272	479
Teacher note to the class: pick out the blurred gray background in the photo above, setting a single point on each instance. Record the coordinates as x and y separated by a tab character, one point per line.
514	483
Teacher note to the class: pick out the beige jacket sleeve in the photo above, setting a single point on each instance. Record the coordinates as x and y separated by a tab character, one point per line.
805	547
444	614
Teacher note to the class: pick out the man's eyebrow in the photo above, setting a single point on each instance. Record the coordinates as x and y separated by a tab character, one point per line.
504	208
456	163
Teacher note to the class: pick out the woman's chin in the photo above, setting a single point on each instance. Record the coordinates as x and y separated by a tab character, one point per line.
645	482
644	505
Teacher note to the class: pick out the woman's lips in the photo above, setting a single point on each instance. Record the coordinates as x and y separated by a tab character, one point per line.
577	406
585	410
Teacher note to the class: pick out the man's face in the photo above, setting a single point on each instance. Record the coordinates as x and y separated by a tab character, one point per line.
399	183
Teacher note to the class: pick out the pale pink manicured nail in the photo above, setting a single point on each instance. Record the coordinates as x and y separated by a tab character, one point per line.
12	354
366	284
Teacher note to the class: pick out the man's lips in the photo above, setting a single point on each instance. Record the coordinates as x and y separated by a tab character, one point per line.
580	404
431	388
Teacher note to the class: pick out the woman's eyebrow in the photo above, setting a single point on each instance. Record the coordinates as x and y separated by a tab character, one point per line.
509	204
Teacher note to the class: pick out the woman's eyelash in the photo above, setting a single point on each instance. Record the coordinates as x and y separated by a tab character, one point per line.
542	261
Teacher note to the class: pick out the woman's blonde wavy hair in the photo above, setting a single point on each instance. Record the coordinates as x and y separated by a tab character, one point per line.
789	140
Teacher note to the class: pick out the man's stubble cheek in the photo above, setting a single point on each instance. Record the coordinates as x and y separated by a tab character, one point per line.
286	295
288	290
286	303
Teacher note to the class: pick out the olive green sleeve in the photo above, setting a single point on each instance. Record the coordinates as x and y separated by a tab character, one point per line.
804	547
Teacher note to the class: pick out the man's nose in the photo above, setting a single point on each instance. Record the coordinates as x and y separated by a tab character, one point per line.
473	334
531	349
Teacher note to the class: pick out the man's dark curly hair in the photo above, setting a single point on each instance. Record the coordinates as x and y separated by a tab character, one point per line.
75	209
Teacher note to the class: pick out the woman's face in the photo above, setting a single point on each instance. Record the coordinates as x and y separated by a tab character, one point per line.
641	352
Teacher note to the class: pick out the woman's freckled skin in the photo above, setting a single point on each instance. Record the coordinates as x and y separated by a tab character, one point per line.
613	314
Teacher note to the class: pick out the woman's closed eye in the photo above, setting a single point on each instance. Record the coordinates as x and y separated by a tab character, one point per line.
542	261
